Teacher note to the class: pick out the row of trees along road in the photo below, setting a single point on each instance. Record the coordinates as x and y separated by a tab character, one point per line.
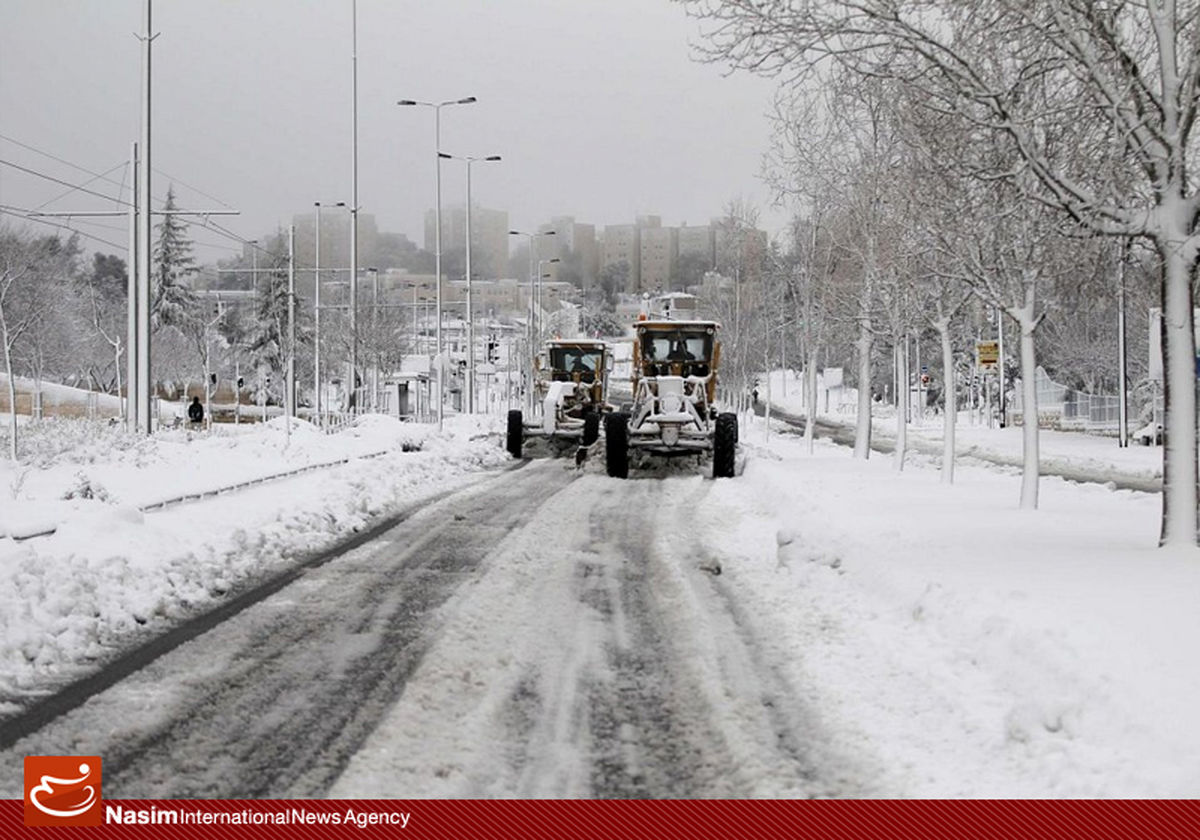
948	155
64	320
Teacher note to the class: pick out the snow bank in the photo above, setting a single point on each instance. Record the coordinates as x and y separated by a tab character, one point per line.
110	573
961	646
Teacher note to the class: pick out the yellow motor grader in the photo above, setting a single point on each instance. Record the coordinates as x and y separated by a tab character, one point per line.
571	390
674	380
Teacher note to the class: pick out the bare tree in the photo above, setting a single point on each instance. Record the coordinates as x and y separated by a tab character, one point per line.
106	321
1115	84
28	267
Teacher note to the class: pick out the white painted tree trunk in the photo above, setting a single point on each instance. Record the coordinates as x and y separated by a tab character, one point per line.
810	382
1179	517
117	362
950	401
862	431
1029	410
12	401
901	357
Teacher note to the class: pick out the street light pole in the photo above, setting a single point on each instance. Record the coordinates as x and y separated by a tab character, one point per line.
470	291
374	272
143	400
289	401
437	225
532	285
1122	384
354	210
132	292
540	278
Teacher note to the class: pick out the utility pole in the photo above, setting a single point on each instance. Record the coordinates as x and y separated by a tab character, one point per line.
1122	385
144	424
290	384
374	272
131	297
354	396
317	320
139	387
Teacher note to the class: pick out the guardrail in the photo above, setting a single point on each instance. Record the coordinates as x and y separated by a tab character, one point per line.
220	491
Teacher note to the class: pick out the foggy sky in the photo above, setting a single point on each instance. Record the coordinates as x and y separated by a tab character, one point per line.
596	106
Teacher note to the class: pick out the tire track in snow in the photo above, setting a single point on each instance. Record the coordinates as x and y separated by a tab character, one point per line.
276	701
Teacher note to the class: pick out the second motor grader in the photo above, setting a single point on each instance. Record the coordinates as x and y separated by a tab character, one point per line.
571	391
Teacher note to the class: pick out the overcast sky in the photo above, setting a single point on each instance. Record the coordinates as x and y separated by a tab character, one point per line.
596	106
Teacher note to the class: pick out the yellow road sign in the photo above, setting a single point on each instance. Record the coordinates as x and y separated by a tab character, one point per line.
988	354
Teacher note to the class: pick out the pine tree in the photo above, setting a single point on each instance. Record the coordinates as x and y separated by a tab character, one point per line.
268	339
174	302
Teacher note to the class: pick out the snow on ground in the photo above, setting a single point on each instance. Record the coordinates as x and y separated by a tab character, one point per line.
972	436
110	573
968	647
951	644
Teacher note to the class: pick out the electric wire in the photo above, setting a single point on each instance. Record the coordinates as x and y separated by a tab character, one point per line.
64	183
74	189
104	176
18	213
205	223
36	150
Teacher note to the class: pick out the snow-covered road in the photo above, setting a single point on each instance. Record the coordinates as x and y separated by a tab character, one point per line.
623	669
617	666
274	701
817	626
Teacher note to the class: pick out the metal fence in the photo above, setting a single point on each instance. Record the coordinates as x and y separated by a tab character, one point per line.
1060	407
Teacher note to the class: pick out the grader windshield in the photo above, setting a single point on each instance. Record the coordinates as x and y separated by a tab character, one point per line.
583	360
678	346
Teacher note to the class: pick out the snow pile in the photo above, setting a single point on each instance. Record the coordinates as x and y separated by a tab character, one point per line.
963	647
111	572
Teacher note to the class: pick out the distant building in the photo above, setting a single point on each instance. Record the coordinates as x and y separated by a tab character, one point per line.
489	237
575	244
697	241
623	243
659	251
335	246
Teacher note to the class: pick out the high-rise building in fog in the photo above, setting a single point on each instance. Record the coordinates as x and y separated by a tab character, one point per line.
489	237
659	249
575	244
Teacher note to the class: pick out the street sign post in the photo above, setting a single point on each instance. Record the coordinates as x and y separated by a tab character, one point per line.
987	355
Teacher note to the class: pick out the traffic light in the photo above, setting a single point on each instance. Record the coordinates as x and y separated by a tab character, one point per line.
492	348
212	378
240	383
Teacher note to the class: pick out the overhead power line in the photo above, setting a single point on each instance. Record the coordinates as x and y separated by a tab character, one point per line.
196	190
18	213
84	170
74	187
120	165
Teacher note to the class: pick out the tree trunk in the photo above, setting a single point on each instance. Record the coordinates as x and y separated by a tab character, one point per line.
810	383
1029	409
950	402
121	401
900	354
12	402
1179	515
862	432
